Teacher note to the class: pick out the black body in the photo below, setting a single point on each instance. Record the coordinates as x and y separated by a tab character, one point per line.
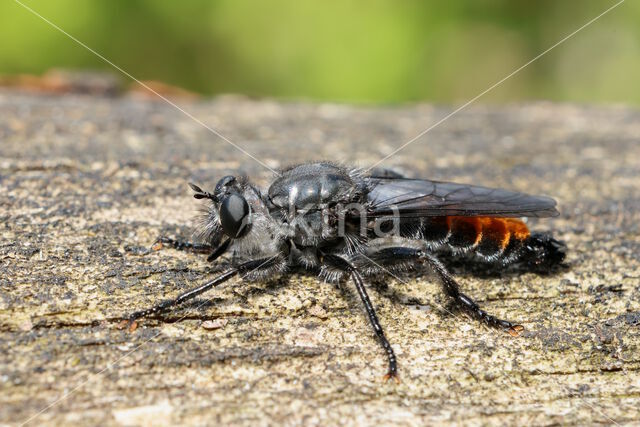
340	224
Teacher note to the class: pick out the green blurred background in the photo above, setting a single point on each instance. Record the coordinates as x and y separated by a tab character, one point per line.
377	51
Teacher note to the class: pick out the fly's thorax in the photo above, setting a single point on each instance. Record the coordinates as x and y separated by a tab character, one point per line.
310	201
314	186
309	226
329	225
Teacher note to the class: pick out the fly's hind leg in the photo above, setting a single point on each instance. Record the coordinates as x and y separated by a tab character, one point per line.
466	303
395	255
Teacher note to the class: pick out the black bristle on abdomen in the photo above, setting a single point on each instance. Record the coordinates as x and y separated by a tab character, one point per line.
539	252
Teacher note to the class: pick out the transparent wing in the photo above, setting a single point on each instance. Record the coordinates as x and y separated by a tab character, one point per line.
421	197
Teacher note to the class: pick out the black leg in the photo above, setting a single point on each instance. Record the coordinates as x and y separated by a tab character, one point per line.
247	267
182	245
201	248
398	254
192	293
222	248
453	290
344	265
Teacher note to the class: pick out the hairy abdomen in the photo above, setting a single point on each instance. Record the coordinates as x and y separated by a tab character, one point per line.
504	240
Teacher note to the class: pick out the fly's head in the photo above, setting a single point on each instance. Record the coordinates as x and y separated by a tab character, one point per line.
229	214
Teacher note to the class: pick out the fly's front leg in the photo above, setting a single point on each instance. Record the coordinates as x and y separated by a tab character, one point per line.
249	267
396	255
185	296
202	248
181	245
343	265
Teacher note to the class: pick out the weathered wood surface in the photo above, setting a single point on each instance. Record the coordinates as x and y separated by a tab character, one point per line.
87	184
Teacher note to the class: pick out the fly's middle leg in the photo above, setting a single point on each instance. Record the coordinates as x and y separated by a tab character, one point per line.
344	265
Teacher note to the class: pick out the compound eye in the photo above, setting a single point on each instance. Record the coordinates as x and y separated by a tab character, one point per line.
224	183
234	215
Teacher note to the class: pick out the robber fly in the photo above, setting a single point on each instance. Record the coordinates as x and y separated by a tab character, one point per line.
341	223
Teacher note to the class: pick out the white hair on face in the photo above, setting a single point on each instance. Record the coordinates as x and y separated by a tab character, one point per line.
208	228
